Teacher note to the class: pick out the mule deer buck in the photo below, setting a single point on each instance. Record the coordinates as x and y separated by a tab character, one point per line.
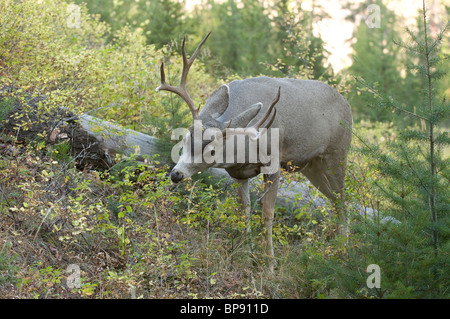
310	119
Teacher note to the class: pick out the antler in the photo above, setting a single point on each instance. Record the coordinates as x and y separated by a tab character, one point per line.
181	89
258	124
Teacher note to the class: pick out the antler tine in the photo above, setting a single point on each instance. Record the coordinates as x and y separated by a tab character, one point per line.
181	89
258	124
273	118
187	63
163	77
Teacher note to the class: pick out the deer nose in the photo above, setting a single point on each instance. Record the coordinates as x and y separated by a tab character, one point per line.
176	176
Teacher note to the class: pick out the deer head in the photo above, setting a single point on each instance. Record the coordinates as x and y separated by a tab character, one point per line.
205	143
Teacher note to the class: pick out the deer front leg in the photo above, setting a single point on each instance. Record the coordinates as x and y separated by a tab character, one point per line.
268	205
244	196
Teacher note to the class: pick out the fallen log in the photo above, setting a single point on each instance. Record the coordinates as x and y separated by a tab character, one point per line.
113	139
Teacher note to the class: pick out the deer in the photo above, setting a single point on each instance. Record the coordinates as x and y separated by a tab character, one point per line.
312	122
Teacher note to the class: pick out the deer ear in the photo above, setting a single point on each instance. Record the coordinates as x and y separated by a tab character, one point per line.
243	119
217	103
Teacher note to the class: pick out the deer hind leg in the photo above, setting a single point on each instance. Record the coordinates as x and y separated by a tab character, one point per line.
268	205
327	173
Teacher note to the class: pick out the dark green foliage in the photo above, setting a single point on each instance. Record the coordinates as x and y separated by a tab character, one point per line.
376	59
299	52
247	35
61	152
160	20
8	269
6	106
247	27
242	35
413	248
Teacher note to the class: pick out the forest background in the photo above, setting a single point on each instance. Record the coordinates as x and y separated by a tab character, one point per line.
127	232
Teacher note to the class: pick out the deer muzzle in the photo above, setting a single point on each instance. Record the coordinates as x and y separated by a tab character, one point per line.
176	176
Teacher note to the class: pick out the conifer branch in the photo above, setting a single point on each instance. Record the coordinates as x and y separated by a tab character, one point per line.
387	101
